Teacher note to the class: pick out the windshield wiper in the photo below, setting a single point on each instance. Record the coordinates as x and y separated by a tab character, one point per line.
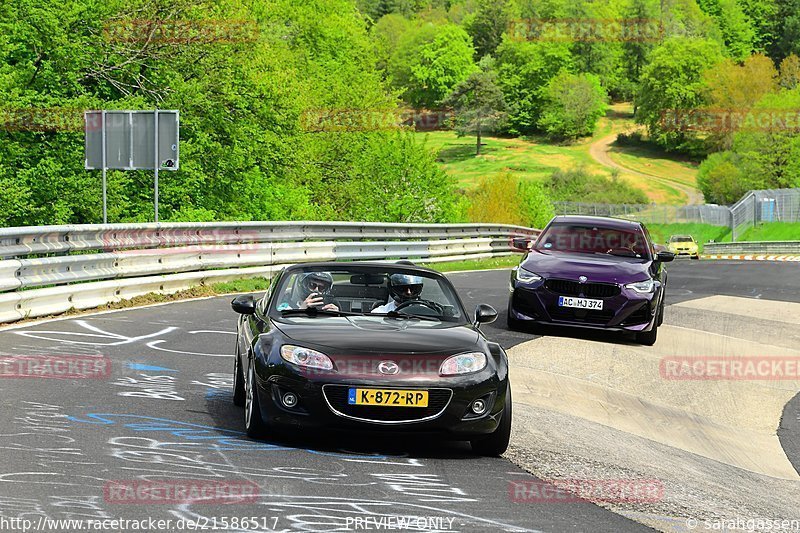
314	311
620	253
395	314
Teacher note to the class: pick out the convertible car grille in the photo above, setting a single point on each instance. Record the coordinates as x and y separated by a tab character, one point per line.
587	290
336	396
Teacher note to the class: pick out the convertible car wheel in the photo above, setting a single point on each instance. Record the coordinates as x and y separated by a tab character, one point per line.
238	382
497	442
253	423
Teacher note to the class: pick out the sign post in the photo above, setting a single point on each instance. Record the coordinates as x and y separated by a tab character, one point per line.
132	140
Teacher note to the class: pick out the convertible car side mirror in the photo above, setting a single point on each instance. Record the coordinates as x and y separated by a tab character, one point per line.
665	257
244	304
485	314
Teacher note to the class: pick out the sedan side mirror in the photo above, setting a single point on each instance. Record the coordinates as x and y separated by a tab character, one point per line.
521	243
484	314
244	304
665	257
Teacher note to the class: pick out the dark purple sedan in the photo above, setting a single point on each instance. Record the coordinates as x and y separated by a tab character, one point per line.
591	272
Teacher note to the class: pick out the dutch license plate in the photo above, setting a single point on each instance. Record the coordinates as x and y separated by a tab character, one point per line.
388	397
579	303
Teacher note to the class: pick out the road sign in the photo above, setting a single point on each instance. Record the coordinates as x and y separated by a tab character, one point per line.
132	140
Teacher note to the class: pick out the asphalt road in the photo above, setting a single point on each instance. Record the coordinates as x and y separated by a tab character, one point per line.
165	412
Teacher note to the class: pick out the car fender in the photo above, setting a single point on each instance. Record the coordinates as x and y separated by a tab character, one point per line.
501	359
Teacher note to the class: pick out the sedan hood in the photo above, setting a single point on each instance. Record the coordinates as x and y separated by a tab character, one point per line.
600	268
360	334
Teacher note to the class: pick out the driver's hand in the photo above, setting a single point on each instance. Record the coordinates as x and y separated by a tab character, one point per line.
314	299
330	307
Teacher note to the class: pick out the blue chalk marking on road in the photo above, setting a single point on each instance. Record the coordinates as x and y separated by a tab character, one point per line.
151	368
217	438
214	394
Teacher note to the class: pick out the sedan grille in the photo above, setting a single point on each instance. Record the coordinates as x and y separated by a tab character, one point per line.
581	316
336	396
587	290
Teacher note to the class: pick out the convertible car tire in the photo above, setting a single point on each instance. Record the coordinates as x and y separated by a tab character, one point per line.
253	423
239	393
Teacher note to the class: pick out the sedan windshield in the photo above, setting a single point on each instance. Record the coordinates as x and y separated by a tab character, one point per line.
354	290
593	239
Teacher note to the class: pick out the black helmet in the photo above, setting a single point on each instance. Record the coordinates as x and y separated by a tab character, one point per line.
404	287
319	282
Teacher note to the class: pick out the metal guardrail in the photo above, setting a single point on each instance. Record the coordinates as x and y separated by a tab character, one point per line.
92	265
752	247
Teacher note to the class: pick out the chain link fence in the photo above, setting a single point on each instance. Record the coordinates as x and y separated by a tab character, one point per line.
764	206
716	215
756	207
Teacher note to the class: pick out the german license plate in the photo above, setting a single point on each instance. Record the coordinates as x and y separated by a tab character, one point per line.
388	397
579	303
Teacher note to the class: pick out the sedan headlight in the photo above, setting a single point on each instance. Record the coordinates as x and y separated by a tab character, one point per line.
526	276
642	286
465	363
306	357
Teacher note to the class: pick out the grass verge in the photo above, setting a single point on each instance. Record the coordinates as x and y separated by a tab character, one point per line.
506	261
773	231
702	233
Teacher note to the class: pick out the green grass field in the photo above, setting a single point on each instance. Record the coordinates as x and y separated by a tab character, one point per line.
775	231
537	158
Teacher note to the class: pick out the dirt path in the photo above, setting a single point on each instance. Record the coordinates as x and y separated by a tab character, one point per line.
599	152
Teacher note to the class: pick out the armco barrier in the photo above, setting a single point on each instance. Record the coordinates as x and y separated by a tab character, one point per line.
752	247
49	270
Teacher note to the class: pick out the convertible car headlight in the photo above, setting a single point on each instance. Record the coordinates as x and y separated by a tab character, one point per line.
642	286
306	357
464	363
526	276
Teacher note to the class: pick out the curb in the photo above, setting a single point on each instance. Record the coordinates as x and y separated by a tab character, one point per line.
753	257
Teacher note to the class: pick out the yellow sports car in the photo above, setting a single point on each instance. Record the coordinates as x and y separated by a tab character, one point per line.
683	245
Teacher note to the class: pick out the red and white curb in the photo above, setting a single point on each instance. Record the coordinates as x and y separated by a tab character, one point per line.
753	257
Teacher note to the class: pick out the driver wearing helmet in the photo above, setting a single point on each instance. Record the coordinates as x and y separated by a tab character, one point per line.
312	289
402	288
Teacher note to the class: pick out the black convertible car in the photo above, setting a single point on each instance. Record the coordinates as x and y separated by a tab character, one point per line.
367	346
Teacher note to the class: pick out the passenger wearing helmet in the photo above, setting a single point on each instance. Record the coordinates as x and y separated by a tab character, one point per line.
402	288
312	289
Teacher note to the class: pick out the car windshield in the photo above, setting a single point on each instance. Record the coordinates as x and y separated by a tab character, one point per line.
681	239
593	239
361	290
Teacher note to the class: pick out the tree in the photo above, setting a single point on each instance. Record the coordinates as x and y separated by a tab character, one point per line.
478	103
737	31
720	178
733	90
573	104
672	82
430	62
790	72
786	28
523	69
487	25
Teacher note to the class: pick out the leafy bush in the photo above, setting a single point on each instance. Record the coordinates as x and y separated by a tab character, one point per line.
505	199
578	185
